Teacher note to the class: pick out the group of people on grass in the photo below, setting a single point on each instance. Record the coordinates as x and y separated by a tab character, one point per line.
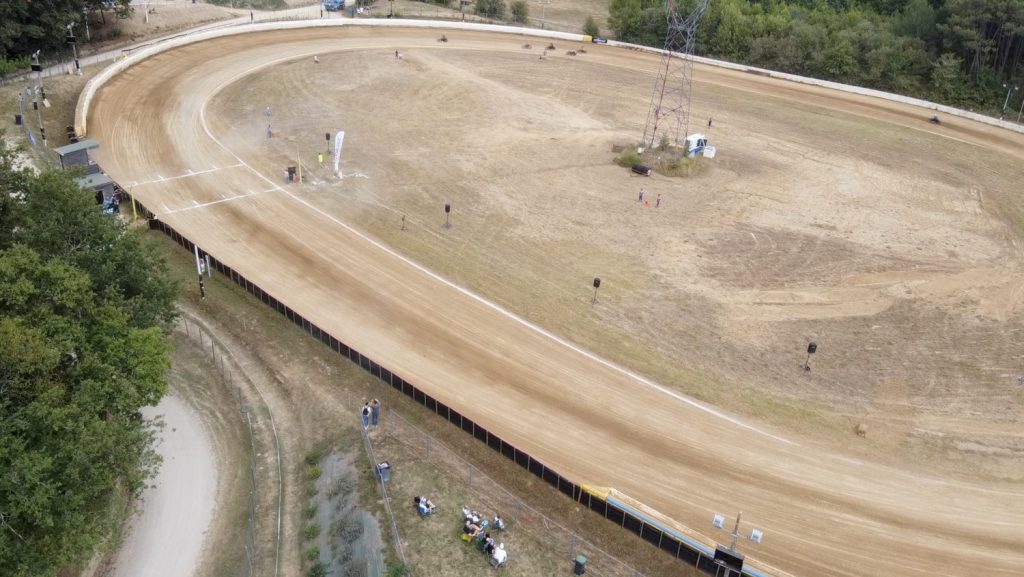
475	531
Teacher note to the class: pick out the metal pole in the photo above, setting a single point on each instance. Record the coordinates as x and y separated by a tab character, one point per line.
1021	109
1007	101
735	532
40	96
74	47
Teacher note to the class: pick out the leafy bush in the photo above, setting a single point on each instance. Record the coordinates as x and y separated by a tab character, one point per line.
317	570
664	143
491	8
313	554
628	159
313	472
311	532
520	11
590	27
313	457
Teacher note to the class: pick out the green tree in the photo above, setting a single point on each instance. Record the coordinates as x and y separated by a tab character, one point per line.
624	18
81	351
590	27
948	81
42	24
917	20
491	8
520	11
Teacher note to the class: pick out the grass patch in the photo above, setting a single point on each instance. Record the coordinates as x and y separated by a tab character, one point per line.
313	457
313	553
666	160
313	473
311	532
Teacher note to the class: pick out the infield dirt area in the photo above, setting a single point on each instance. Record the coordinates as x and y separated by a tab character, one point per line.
892	243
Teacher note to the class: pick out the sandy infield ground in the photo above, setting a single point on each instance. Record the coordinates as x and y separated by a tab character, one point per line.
170	128
166	538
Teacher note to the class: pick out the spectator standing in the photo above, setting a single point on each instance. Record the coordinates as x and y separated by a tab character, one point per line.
366	416
375	413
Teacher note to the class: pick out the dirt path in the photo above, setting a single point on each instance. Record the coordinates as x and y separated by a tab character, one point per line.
166	538
825	512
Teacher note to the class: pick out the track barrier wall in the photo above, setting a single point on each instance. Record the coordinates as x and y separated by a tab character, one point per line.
684	549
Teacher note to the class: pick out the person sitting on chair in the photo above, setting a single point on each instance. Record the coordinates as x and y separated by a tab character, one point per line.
499	556
499	523
423	505
488	544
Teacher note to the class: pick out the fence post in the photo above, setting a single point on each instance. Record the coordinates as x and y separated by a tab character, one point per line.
515	512
572	547
470	486
428	448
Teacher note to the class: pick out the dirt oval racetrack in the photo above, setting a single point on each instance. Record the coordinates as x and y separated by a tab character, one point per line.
823	513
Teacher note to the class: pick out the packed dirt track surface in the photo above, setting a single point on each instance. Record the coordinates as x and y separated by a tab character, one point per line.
218	181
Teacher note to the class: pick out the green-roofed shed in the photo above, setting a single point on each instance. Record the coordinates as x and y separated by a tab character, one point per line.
76	154
101	183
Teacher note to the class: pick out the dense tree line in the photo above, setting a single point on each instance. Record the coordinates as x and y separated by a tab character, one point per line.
959	52
84	312
30	25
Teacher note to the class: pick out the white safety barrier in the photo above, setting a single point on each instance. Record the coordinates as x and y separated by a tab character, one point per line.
85	99
871	92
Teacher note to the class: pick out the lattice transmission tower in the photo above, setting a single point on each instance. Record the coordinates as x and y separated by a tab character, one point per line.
670	101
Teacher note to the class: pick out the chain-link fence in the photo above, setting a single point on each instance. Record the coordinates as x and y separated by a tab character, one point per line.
262	539
396	538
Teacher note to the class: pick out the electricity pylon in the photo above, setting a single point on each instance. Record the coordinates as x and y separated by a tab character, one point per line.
670	100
